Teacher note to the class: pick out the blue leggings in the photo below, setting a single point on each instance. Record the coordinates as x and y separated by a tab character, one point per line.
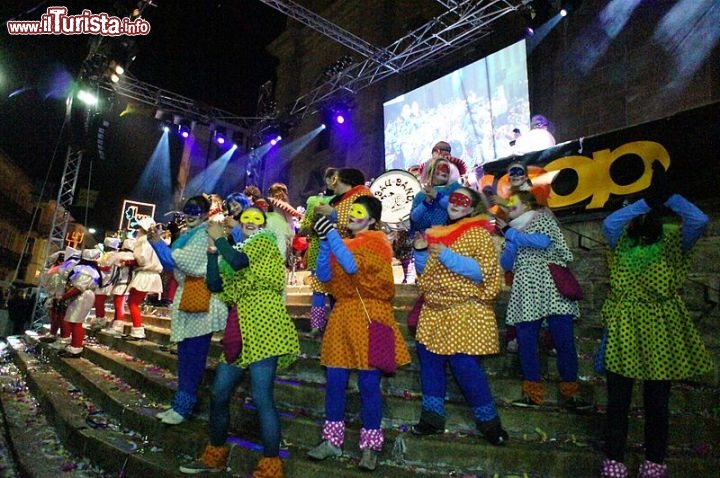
561	330
192	355
469	375
370	396
262	378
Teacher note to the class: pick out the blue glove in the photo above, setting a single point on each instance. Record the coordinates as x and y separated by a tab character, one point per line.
323	226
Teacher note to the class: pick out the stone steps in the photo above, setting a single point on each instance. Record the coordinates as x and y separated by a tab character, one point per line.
103	405
459	449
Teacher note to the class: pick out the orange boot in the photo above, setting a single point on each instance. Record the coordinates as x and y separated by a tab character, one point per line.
214	458
269	467
571	400
533	395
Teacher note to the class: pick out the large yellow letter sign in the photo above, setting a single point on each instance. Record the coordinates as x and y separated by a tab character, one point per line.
594	179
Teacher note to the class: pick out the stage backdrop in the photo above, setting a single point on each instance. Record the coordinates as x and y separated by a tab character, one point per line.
601	172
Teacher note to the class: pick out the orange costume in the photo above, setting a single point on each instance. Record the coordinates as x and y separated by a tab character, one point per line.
345	343
342	204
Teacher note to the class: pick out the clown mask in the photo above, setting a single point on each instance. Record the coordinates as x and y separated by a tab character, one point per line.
252	220
441	174
194	215
359	219
516	207
459	205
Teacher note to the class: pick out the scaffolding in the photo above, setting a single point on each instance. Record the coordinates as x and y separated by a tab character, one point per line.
463	22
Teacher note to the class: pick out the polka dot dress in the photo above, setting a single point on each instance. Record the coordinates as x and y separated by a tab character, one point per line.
533	295
345	341
265	325
651	335
458	314
191	260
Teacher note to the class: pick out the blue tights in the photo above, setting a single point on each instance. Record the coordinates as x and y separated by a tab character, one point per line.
262	377
561	330
370	396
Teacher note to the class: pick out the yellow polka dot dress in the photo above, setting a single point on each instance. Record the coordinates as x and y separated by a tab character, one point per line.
257	291
458	315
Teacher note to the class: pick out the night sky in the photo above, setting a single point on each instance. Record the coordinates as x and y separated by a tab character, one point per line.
210	51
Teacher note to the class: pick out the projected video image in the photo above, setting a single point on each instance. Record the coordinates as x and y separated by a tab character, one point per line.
474	108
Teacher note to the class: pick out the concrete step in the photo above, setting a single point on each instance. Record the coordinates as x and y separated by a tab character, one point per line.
302	385
459	450
128	382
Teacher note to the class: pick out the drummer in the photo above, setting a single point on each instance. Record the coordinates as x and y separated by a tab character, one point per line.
440	176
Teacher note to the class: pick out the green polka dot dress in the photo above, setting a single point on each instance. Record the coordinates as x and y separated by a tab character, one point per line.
651	335
257	290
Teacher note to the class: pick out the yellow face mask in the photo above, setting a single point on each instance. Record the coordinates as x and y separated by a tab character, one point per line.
513	201
252	216
358	211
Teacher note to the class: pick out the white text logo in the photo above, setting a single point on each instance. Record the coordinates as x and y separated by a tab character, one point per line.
57	22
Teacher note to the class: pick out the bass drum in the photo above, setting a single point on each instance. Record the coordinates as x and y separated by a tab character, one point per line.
396	189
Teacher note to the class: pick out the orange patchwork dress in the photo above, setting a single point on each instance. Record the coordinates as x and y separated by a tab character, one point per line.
345	341
458	315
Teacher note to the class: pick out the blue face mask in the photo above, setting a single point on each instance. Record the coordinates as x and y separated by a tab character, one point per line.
516	171
192	210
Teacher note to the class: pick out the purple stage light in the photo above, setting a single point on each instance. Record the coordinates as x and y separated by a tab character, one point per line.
184	128
340	119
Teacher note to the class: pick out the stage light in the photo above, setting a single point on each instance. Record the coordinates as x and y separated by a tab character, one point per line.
340	112
184	127
184	130
323	126
238	138
87	97
273	133
220	135
569	6
166	120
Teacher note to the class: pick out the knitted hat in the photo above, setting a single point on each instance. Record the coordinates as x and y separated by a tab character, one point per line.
442	146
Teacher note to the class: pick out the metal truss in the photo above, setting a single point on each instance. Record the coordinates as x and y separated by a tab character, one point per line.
320	24
60	221
464	22
173	103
